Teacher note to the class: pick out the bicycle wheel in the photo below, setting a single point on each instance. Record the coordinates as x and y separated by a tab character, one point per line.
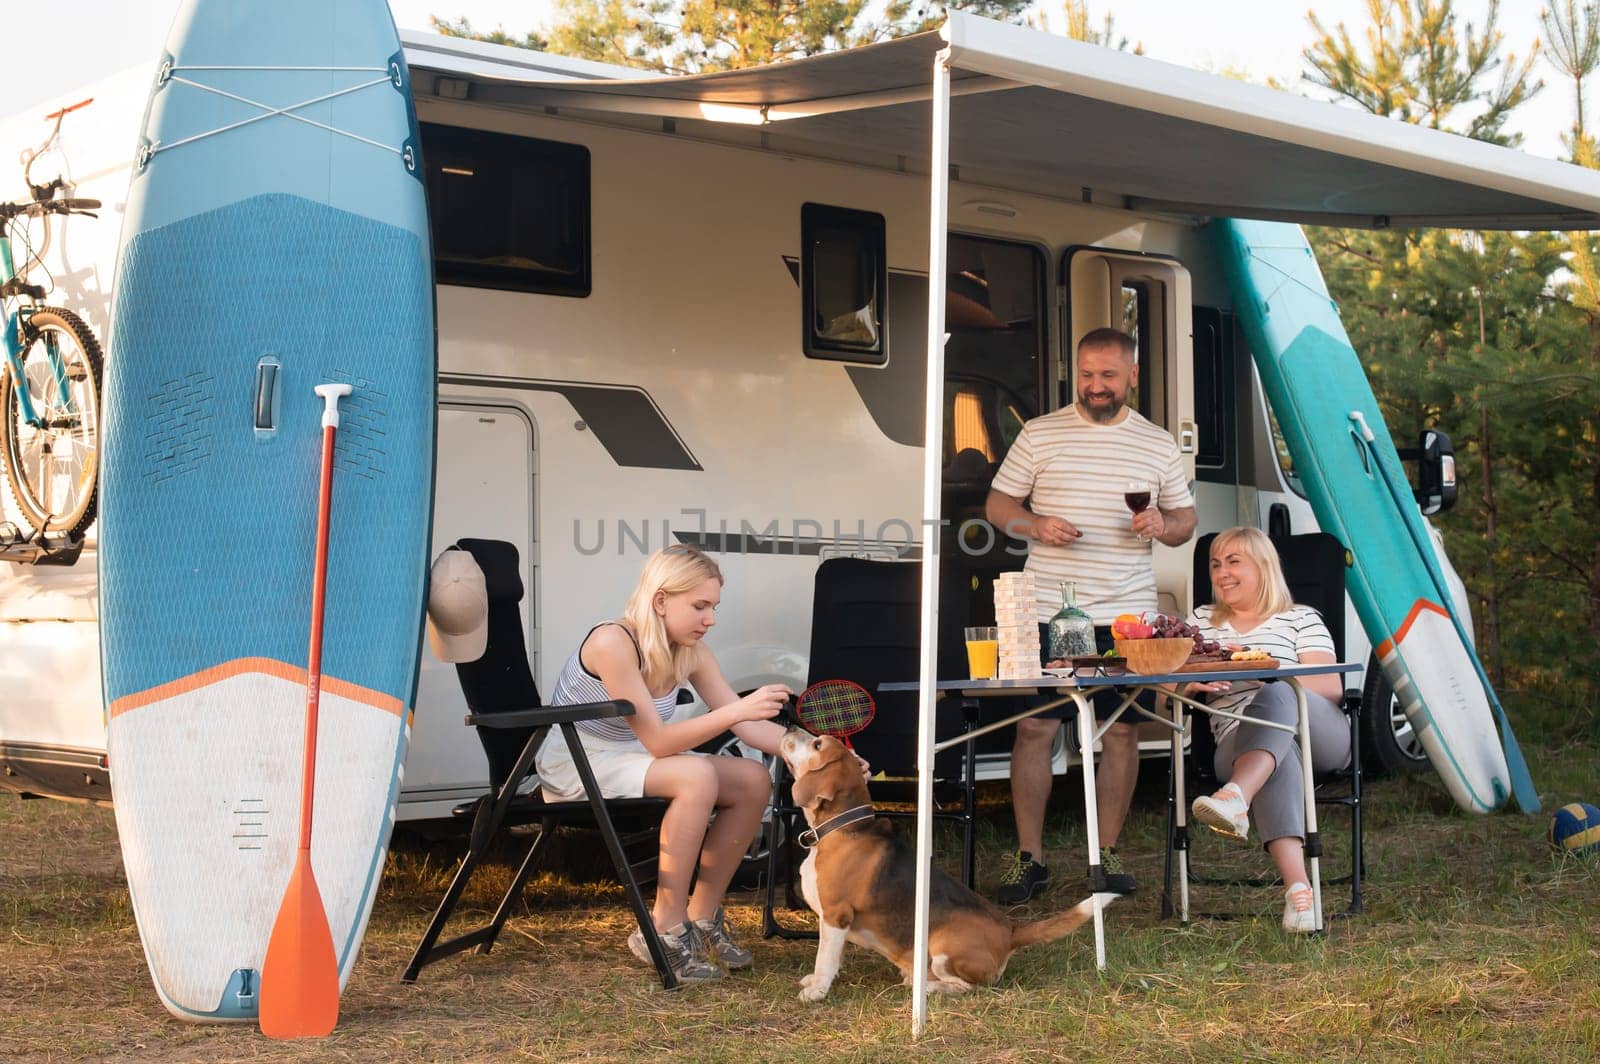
52	462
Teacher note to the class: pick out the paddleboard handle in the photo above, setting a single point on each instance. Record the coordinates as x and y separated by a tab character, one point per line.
331	394
1355	415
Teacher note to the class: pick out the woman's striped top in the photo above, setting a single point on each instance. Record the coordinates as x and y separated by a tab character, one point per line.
1285	636
576	684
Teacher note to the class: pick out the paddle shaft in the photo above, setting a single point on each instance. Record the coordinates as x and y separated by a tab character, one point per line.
319	587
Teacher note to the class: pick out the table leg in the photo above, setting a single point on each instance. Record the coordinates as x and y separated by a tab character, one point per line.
1091	812
1180	811
1313	842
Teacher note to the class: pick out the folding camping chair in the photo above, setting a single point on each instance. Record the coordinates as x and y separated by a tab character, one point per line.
866	627
1313	567
512	723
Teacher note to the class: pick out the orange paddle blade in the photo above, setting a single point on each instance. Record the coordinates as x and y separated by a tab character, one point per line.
300	977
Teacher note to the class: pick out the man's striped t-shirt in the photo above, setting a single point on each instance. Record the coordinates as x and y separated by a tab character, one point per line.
1078	469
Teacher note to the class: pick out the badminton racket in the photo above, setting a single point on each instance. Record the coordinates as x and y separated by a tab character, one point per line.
838	708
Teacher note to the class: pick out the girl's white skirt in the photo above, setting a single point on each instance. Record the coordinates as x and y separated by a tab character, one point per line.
619	767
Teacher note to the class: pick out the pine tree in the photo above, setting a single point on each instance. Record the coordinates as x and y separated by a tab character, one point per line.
697	36
1418	67
1080	25
1485	336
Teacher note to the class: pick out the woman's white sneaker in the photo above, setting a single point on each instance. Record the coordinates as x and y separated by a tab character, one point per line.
1298	915
1225	812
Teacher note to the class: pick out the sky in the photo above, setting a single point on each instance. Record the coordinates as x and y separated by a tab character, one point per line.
1264	38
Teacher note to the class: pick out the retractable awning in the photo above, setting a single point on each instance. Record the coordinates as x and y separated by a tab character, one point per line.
1036	112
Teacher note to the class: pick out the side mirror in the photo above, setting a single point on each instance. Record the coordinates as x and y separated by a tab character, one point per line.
1435	490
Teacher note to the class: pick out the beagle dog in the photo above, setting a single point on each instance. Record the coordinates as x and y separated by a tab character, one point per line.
861	881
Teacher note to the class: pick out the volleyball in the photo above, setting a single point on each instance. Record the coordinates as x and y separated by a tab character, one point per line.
1575	829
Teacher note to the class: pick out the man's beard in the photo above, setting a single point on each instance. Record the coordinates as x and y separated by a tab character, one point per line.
1097	415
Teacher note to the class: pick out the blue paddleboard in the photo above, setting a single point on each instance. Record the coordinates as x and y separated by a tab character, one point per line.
1353	477
276	238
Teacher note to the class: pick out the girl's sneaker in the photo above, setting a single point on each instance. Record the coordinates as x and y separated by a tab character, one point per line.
1226	812
720	945
1298	916
685	954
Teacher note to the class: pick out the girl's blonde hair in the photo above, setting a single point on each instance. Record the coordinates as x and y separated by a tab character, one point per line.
1273	596
671	570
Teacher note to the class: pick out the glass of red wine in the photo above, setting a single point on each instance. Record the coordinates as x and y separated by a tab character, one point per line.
1136	493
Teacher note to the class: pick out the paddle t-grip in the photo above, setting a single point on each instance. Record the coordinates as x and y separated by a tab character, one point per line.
331	394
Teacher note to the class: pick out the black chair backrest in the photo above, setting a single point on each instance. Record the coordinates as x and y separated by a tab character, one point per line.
1313	567
501	679
866	627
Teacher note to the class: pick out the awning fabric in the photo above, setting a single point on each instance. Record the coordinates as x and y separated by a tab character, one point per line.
1036	112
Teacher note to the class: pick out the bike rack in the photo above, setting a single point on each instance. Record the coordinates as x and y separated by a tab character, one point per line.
40	548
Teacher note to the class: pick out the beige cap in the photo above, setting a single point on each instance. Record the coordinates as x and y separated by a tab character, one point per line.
458	607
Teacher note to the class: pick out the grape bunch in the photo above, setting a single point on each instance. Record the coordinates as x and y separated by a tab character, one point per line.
1172	628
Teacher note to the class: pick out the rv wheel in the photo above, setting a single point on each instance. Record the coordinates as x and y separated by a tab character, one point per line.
1392	746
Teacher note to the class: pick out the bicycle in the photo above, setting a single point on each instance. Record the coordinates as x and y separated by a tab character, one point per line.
50	381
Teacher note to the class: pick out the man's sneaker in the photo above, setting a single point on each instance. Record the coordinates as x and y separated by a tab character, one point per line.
1298	916
1226	812
685	954
1115	879
1020	879
720	946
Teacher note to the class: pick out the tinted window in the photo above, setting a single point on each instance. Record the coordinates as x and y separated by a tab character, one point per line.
994	312
1214	390
843	277
508	212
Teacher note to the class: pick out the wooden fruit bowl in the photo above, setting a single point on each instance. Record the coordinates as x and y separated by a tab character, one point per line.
1151	657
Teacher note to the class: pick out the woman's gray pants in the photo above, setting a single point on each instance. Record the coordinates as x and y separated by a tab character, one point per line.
1279	809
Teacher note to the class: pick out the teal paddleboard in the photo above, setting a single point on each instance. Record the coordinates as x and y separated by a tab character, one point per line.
276	238
1356	486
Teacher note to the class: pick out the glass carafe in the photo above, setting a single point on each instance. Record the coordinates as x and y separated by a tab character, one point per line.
1070	633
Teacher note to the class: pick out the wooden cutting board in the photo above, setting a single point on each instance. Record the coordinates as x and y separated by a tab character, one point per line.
1228	666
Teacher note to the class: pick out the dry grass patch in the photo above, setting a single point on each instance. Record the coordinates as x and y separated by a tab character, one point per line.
1477	944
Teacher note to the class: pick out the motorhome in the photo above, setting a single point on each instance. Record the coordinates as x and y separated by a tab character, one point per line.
694	310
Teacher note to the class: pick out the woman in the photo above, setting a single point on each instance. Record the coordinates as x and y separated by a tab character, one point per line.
715	803
1252	606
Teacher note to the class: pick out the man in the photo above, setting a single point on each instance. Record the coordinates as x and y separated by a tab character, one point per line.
1061	487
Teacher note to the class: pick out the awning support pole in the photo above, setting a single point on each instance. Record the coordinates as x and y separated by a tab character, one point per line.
932	468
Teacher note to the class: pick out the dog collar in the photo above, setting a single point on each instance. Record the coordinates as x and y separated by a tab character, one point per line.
809	838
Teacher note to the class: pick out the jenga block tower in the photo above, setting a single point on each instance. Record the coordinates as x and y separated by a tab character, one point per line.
1016	618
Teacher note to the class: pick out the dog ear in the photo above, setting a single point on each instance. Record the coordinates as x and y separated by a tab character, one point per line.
815	786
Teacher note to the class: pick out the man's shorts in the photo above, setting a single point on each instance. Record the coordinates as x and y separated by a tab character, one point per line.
1105	701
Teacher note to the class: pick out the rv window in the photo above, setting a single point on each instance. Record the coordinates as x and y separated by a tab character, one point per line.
1136	323
843	277
1213	393
507	212
1280	447
994	311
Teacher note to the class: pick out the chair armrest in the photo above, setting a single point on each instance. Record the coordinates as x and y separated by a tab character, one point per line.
539	716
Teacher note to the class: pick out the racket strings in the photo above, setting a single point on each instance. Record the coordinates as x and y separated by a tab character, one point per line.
836	708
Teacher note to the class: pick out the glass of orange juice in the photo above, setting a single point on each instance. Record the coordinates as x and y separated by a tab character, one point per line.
983	652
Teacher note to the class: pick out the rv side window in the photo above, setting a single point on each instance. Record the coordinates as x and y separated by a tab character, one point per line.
507	212
1213	393
1136	323
843	278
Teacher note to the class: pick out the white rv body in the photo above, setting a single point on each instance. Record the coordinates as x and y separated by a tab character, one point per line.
673	403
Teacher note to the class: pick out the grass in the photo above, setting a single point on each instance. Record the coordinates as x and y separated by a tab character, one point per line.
1478	944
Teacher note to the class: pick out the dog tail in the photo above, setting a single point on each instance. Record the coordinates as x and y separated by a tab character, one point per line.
1061	924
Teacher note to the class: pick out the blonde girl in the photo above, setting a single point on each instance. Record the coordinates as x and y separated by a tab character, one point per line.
715	803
